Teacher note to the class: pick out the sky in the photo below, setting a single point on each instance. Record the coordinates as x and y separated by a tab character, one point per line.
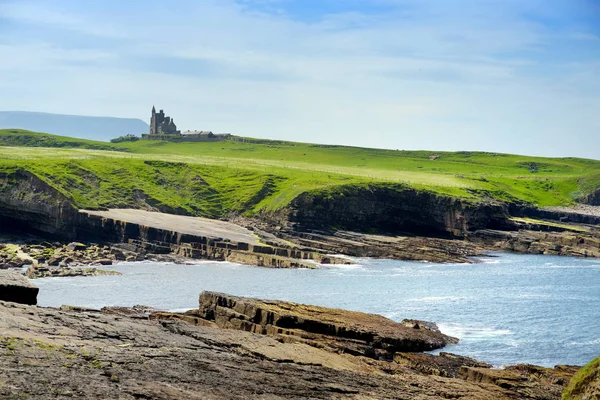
515	76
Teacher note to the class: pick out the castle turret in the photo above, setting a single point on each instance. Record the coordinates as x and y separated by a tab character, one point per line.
153	124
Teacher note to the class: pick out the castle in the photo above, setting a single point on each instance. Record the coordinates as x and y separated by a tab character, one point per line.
164	128
162	125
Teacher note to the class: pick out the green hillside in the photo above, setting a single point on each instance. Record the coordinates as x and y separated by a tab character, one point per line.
249	175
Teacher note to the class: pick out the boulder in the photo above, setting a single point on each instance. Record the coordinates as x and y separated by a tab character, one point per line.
344	331
54	261
15	288
118	254
104	261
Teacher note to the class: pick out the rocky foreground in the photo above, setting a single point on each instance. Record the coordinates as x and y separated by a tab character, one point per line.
240	348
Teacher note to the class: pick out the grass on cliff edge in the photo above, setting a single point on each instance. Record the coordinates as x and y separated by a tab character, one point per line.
583	382
250	175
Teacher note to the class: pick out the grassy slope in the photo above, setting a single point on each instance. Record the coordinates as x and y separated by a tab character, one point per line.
585	383
239	176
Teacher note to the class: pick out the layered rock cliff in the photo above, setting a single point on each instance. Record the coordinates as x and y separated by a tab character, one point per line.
29	204
393	209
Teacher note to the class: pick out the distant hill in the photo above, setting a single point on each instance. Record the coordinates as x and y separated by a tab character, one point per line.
79	126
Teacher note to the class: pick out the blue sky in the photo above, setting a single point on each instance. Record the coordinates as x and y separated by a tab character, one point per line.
496	75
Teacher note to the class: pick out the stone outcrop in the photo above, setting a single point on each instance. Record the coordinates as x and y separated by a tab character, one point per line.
342	331
76	352
16	288
390	247
36	271
538	382
446	364
579	244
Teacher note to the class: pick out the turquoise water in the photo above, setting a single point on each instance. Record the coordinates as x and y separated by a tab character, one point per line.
509	309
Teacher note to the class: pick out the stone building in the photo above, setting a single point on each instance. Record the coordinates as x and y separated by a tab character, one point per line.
161	124
164	128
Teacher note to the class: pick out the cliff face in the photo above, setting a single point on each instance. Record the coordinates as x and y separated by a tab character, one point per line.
29	204
393	210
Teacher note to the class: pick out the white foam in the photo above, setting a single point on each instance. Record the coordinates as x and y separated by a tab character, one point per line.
491	262
345	257
341	266
587	343
436	299
472	332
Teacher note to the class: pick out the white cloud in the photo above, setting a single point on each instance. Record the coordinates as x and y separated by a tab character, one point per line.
476	77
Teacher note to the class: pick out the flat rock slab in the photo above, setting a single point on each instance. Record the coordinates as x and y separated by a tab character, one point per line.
179	223
79	353
345	331
15	288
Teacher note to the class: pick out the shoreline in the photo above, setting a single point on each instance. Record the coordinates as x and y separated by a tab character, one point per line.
247	340
414	290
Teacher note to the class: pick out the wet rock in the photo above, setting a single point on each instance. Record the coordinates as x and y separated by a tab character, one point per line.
15	288
104	261
37	271
118	254
418	324
55	260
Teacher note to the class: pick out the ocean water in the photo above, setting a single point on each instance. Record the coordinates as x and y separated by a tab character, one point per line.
508	309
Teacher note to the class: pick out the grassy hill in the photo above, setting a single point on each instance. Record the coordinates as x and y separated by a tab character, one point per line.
248	175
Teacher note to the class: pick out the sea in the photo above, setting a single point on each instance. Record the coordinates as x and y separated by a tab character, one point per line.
505	309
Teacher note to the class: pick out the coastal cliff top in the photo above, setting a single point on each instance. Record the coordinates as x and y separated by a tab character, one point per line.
249	176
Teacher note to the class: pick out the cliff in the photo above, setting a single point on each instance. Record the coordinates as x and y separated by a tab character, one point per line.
29	204
341	219
394	209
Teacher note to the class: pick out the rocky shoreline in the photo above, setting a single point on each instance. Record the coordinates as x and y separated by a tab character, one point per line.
44	259
237	348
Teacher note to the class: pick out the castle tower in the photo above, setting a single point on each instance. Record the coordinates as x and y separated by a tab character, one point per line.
153	124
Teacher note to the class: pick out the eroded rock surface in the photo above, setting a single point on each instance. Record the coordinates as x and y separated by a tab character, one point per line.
344	331
76	352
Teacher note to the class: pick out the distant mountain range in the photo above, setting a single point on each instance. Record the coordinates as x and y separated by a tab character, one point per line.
79	126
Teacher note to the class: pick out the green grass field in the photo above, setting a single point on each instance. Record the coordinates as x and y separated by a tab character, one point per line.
248	175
